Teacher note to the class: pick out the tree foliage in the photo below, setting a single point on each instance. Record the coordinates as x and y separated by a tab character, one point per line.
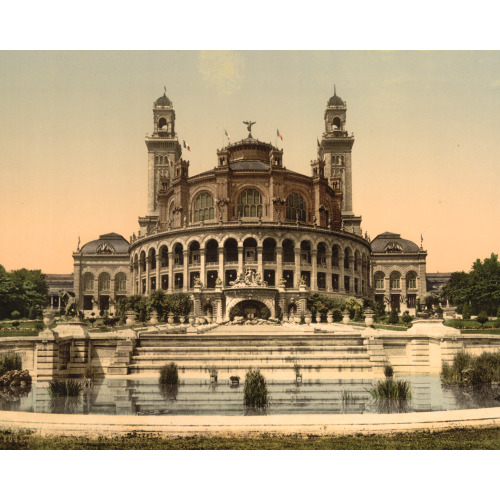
480	287
22	290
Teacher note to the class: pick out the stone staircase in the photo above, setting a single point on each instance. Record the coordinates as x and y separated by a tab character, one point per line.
320	356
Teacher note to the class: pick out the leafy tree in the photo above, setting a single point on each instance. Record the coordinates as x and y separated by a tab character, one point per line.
393	318
480	287
466	312
482	317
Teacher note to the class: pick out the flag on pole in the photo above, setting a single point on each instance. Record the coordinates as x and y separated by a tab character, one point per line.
186	146
278	134
227	135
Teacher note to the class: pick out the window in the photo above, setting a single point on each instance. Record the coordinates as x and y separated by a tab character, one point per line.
335	281
295	207
379	281
204	208
120	282
395	281
411	280
88	282
250	203
347	283
104	282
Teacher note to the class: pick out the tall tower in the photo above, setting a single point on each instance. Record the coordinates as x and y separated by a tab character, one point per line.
337	148
164	149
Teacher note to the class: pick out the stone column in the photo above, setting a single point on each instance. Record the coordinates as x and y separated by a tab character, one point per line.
296	274
240	260
171	273
341	273
202	267
328	271
279	264
387	289
260	268
133	275
158	267
139	277
314	277
185	254
148	268
221	264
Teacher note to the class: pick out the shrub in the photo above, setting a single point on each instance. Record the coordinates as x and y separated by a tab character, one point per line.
64	388
15	314
357	315
15	324
10	361
302	319
379	310
169	374
393	318
337	315
255	391
496	324
406	318
482	318
391	389
466	311
388	371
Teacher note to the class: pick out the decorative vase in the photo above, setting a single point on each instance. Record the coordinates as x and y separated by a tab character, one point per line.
308	319
182	319
368	317
318	318
130	321
170	319
48	318
191	320
346	317
154	318
329	318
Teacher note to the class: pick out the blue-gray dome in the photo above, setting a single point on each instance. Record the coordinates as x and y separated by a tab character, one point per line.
110	243
392	242
163	101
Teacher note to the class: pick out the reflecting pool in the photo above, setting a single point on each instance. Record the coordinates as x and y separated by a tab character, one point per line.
144	396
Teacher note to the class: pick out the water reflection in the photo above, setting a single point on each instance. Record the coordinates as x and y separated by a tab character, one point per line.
144	396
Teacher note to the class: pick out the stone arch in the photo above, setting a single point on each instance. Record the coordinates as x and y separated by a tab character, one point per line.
234	301
202	213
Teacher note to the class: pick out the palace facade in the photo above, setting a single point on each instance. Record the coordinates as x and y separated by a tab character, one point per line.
249	232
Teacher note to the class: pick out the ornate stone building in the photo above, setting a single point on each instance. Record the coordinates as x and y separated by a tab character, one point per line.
248	232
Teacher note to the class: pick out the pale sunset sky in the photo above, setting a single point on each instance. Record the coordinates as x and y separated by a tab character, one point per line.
73	162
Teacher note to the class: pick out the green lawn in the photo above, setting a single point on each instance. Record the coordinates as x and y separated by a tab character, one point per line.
456	439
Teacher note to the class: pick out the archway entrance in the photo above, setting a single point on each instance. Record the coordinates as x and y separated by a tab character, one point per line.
253	309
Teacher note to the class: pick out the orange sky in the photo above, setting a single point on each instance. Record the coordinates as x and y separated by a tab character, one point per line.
73	159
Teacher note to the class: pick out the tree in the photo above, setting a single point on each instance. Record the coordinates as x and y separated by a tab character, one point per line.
480	287
482	317
466	312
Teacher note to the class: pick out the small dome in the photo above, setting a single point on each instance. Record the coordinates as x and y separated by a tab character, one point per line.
108	244
335	100
392	243
163	101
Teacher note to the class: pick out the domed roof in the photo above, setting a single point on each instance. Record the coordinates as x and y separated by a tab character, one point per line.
335	100
392	243
163	101
110	243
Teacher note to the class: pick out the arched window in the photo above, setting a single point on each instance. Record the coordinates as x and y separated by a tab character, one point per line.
379	280
395	280
295	205
121	282
204	207
88	282
104	282
411	280
250	203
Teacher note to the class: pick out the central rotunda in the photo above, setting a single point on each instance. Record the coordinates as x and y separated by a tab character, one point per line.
249	232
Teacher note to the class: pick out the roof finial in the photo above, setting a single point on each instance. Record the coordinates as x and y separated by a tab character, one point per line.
334	90
165	90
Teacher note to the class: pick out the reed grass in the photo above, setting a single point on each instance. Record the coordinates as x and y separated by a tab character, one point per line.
169	374
255	391
391	389
64	388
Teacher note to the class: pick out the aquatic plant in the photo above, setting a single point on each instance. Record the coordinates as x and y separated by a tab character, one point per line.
468	370
296	369
391	389
213	372
388	371
10	361
255	393
169	374
64	388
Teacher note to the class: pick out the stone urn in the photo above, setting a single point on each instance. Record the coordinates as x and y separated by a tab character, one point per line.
130	315
296	318
154	318
369	317
308	319
191	319
48	318
170	319
318	318
182	319
346	317
329	317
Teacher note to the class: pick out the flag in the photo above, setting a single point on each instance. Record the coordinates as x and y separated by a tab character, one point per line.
319	145
278	134
227	135
186	146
